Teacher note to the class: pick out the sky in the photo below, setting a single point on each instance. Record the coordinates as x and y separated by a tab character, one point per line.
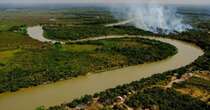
110	1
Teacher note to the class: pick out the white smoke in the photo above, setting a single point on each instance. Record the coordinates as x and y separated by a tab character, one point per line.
153	17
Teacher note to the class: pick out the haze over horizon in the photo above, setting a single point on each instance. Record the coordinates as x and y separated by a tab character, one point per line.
200	2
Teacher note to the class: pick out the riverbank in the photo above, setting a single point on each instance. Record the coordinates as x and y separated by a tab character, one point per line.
53	62
190	94
63	91
15	43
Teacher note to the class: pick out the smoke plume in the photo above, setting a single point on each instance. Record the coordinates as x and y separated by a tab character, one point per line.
152	17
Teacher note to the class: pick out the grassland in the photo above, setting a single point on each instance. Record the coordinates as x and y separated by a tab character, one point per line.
84	23
28	62
10	18
197	86
25	62
150	93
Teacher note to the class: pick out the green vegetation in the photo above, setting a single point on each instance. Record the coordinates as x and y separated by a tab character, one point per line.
198	82
80	48
6	25
197	86
29	17
149	92
6	55
19	29
36	64
146	93
84	23
81	32
165	100
25	62
40	108
85	16
11	41
108	97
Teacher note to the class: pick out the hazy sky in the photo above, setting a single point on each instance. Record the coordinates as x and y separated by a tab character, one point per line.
108	1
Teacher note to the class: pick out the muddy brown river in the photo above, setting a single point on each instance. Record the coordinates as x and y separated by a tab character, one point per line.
65	91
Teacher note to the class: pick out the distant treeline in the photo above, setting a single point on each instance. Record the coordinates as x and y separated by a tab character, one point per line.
147	97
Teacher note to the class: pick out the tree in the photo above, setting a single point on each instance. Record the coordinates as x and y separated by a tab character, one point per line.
41	108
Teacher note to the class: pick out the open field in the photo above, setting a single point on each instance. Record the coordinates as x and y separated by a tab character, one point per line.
25	62
197	86
28	62
80	23
142	94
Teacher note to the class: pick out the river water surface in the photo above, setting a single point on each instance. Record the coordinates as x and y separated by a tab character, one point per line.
65	91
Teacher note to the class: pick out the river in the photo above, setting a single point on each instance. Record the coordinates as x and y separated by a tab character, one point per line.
65	91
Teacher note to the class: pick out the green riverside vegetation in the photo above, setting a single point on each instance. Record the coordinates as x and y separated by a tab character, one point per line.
25	62
147	96
86	31
34	65
148	92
